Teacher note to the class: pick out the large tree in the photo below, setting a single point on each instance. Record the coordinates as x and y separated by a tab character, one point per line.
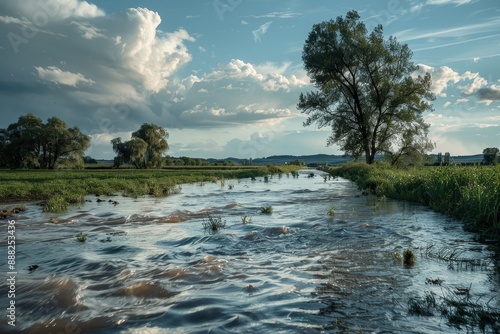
30	143
145	149
156	140
366	90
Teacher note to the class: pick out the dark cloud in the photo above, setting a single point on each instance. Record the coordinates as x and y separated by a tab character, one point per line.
489	93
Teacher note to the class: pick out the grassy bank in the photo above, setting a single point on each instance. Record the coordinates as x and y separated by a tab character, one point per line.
470	193
60	188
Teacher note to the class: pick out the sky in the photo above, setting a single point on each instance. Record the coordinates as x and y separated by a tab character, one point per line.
224	76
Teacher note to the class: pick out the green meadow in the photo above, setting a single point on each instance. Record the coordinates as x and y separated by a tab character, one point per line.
60	188
469	193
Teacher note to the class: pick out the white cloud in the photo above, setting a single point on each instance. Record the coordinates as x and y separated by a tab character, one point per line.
87	30
449	2
445	76
261	31
58	76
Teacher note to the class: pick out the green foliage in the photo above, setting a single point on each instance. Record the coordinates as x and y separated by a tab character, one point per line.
64	187
30	143
144	150
213	223
267	210
155	138
490	155
56	203
366	91
331	211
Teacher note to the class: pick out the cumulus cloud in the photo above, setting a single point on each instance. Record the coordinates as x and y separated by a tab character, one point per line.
444	76
261	31
110	72
251	94
88	67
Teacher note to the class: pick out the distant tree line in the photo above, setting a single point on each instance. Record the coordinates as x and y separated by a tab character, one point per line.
31	143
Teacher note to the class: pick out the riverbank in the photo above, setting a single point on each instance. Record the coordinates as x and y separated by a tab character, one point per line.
61	188
469	193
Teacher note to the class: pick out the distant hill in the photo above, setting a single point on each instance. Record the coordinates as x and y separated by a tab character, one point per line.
283	159
316	159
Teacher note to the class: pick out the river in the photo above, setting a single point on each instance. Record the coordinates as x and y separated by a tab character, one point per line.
149	266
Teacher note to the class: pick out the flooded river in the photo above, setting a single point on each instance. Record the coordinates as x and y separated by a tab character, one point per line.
149	266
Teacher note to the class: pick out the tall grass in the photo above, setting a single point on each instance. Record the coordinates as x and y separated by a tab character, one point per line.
470	193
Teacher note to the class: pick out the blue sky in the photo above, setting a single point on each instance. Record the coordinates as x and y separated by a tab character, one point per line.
224	76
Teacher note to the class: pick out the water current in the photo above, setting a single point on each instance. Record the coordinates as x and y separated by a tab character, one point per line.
149	266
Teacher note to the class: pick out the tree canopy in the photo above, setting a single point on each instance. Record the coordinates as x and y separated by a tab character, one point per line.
145	149
366	91
30	143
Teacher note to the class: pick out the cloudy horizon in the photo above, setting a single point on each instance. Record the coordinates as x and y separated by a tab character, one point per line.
224	76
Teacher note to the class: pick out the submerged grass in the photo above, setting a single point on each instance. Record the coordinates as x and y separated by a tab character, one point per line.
470	193
61	188
459	308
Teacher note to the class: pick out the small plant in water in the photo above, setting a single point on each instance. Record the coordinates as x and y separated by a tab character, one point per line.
331	212
396	256
246	219
213	223
409	257
81	237
267	210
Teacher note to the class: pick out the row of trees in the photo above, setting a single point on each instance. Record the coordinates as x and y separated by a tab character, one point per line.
31	143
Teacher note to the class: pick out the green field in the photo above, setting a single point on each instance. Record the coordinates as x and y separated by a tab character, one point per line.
60	188
469	193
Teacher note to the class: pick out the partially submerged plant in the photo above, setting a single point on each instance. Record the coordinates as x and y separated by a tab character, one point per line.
409	257
267	210
331	211
246	219
213	223
458	308
81	237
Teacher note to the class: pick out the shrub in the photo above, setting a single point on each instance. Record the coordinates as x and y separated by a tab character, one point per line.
213	223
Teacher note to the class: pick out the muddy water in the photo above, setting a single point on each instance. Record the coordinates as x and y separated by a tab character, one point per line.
148	266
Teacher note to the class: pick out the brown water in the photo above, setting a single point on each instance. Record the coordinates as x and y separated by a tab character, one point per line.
148	265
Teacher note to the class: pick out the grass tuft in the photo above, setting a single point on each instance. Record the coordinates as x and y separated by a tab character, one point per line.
213	223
